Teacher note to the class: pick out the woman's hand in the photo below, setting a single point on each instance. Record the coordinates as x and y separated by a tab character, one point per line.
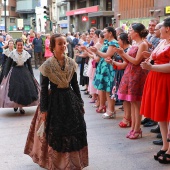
93	49
146	54
146	65
82	47
43	115
120	51
108	60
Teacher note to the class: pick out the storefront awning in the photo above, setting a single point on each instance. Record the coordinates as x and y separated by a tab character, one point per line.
101	13
81	11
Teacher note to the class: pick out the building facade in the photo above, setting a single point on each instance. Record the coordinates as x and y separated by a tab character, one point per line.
130	11
26	11
11	16
80	15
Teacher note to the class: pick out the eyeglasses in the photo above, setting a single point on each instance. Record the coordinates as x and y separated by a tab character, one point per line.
152	25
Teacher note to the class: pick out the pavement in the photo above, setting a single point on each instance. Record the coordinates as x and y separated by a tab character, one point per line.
109	149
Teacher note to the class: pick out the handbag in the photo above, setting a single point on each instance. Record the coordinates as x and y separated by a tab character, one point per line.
94	64
78	59
85	70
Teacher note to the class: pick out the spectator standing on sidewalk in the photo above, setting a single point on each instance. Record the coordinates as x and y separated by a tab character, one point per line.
1	49
5	56
133	80
63	142
152	41
70	45
47	53
37	45
28	47
156	94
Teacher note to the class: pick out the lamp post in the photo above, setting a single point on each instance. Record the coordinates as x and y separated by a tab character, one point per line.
5	15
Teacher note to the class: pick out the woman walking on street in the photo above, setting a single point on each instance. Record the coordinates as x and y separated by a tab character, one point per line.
18	87
62	143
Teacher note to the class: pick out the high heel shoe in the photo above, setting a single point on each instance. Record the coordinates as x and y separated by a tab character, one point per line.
22	111
125	125
136	134
15	109
127	136
160	153
112	115
101	109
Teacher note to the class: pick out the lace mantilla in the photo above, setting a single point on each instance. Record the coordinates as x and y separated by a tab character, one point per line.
51	69
19	58
7	52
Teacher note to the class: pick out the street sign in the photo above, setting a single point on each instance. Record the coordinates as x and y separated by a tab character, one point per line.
85	18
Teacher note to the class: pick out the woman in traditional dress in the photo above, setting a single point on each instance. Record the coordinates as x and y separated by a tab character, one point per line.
6	53
156	95
18	87
63	143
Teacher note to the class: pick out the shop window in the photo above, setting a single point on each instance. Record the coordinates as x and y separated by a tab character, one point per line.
82	4
12	20
13	8
108	5
95	2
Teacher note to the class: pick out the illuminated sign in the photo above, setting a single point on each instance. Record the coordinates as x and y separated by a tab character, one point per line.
82	11
167	10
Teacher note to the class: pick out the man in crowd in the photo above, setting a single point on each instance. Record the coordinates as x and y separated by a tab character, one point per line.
37	44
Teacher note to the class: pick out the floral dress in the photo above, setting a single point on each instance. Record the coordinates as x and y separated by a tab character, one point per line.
105	73
133	80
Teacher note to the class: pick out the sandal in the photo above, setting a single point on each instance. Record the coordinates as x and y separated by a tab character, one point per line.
107	116
15	109
92	101
101	109
125	125
165	160
86	93
22	111
136	134
95	105
160	153
129	133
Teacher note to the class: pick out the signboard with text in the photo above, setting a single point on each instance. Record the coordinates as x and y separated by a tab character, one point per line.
167	10
82	11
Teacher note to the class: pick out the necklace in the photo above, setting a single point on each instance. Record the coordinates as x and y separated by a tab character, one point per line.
61	66
20	53
166	42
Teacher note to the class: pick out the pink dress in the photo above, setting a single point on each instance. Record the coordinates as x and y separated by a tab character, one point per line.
90	73
48	53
